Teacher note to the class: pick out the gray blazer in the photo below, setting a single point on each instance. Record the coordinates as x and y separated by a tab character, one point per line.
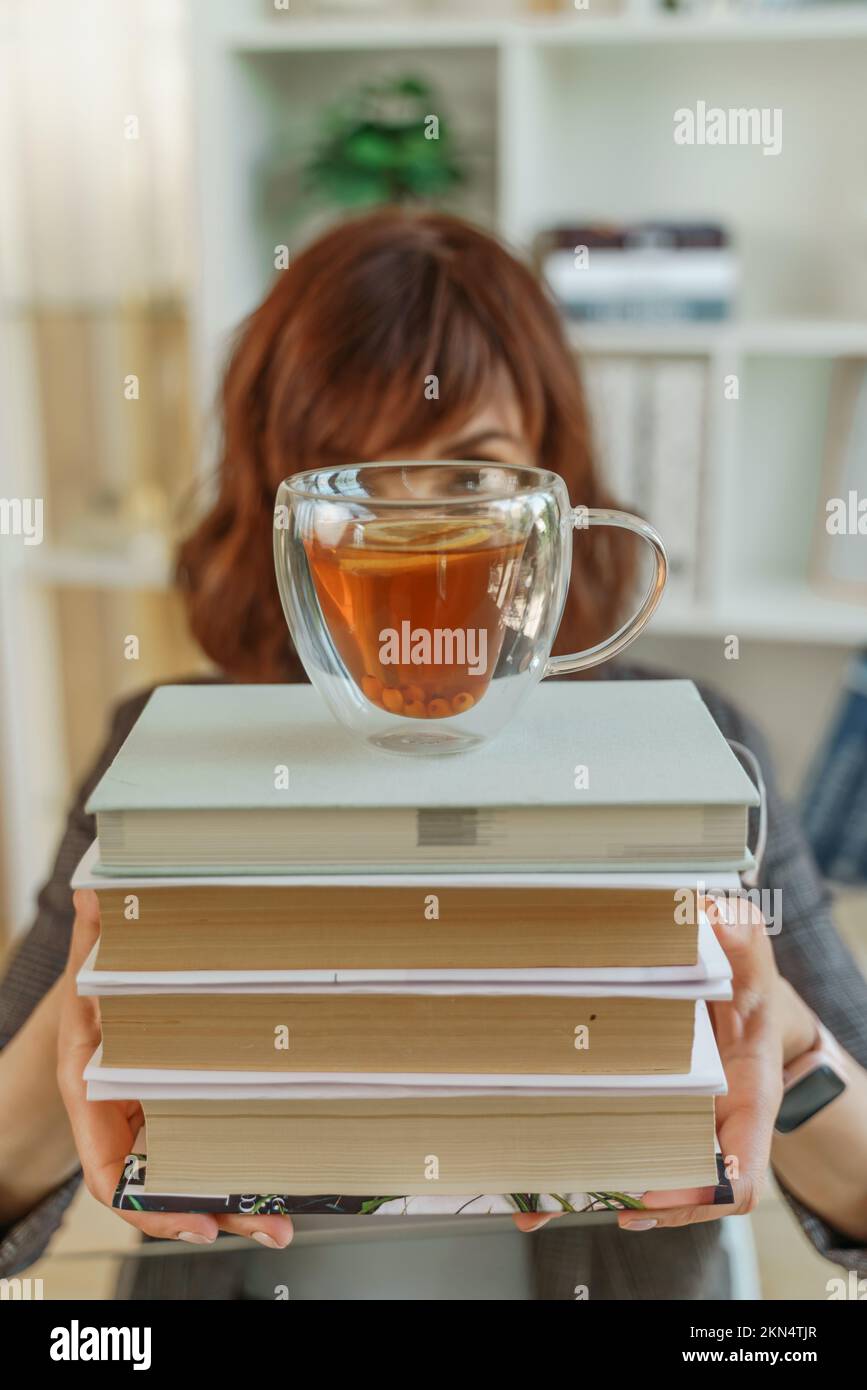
686	1263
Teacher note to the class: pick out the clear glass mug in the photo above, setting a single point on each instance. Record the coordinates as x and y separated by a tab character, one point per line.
424	598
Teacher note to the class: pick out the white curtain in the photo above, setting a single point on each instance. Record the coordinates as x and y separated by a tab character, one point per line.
94	151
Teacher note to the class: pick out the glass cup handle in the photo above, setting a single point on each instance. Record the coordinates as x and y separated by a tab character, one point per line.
581	518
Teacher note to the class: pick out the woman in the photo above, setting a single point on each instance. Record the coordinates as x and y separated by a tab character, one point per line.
417	336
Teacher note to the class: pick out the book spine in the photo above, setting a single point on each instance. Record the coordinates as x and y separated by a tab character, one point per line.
676	464
612	387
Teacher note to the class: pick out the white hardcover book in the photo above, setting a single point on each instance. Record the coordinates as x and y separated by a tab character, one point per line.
187	794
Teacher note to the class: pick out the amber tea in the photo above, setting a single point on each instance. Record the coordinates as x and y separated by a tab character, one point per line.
417	609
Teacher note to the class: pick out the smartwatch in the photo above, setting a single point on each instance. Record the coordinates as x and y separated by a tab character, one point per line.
810	1082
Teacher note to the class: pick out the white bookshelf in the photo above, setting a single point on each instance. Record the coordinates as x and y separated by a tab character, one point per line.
573	119
792	612
283	32
816	338
640	25
59	566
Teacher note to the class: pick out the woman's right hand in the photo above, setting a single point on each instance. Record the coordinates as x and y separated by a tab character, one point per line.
106	1131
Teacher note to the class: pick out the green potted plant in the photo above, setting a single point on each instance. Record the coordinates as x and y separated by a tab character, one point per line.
385	143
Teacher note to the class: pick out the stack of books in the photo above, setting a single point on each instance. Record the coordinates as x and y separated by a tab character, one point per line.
647	272
339	980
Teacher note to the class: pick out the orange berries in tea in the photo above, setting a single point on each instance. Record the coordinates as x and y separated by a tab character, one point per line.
417	609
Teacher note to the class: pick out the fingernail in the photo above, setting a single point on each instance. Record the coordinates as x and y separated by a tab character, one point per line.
264	1239
638	1225
195	1238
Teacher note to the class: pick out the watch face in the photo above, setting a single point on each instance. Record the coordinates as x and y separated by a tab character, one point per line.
807	1097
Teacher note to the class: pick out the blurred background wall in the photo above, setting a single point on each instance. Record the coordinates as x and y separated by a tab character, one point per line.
161	158
95	276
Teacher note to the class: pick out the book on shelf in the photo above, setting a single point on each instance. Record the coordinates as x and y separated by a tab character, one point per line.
651	272
250	927
671	500
193	789
839	562
615	400
649	424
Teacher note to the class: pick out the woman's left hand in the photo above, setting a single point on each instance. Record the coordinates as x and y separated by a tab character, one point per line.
749	1036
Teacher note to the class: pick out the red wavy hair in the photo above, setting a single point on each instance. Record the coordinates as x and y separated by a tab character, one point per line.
330	370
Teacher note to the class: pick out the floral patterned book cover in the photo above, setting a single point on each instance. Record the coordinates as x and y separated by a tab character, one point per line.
131	1196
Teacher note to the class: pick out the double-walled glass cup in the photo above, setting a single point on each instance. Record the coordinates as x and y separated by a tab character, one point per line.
424	598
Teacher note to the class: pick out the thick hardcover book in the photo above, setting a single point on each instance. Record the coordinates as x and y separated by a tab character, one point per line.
132	1195
705	1077
708	978
255	924
257	779
451	1146
464	1030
